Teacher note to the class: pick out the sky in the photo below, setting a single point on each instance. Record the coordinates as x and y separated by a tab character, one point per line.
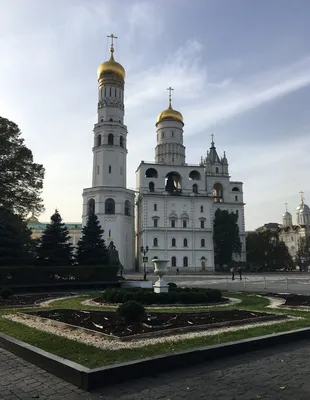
240	70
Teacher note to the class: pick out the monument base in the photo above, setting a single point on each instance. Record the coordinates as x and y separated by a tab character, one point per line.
161	288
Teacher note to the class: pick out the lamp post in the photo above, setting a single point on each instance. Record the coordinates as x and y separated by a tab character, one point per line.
144	251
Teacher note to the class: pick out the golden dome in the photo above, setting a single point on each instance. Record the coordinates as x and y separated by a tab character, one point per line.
32	218
170	113
111	66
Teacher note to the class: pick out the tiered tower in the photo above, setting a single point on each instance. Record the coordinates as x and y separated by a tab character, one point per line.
108	197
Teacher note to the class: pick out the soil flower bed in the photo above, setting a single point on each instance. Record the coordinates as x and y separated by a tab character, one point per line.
30	299
109	323
293	300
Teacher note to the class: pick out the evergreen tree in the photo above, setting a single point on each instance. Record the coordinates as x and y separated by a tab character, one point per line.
225	236
21	180
303	253
55	247
91	248
15	239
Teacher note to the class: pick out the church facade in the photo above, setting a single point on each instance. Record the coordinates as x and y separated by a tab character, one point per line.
290	233
172	210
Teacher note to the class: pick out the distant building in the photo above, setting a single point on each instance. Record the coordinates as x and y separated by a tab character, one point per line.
271	226
290	233
38	227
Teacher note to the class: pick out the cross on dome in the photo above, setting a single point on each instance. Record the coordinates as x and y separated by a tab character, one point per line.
302	197
170	94
112	36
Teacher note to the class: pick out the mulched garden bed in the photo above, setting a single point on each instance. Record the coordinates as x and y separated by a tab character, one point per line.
292	299
24	300
109	323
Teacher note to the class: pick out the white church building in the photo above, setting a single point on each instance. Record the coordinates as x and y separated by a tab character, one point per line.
172	210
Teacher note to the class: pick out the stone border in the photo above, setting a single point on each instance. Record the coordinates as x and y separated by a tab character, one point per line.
160	333
228	302
88	379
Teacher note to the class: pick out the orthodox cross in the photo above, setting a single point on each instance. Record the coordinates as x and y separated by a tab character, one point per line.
302	196
212	139
112	37
170	90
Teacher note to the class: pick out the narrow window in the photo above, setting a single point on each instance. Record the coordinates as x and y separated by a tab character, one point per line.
121	170
184	223
185	242
236	198
173	223
173	159
110	139
151	187
201	208
109	232
155	242
155	223
97	169
173	261
185	262
155	207
173	242
202	243
110	169
172	134
121	141
217	170
110	92
202	224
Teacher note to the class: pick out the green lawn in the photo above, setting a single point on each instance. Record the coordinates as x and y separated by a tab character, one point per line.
91	356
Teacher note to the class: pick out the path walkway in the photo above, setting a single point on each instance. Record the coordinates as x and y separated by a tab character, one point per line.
281	373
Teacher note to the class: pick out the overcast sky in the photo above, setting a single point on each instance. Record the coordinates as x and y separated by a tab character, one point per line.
240	70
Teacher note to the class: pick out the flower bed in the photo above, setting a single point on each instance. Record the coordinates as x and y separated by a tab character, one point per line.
174	296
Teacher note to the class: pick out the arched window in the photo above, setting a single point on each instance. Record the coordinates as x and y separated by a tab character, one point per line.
109	206
110	139
99	140
91	207
151	173
111	119
151	187
155	207
173	261
217	170
173	242
194	175
185	262
127	207
121	141
201	208
236	189
185	242
155	242
110	169
236	198
203	243
195	188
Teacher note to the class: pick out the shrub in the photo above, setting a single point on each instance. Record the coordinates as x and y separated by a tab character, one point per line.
172	285
131	311
174	296
5	293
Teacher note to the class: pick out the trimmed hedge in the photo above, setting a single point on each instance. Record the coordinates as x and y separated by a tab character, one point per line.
30	275
174	296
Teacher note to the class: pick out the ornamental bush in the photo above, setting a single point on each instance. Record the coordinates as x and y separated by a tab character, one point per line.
174	296
5	293
131	311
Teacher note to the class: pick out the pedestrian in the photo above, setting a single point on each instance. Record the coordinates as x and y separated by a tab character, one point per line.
233	273
178	272
240	273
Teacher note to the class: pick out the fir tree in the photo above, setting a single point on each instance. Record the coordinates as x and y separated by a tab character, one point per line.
91	248
15	239
55	247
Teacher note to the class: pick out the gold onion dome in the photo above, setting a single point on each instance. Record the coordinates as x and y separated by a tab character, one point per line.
111	66
170	113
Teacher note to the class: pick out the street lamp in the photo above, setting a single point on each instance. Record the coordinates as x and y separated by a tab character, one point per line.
144	251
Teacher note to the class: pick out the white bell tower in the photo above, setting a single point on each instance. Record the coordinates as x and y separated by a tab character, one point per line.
108	197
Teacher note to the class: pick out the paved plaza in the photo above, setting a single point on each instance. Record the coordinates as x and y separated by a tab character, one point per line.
280	373
292	282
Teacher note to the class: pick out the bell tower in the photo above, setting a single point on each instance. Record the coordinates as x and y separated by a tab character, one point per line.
108	197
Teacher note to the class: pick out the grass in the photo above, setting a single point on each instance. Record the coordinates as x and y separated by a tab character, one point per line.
92	357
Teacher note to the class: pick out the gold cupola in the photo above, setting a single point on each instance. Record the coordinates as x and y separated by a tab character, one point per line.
170	113
111	66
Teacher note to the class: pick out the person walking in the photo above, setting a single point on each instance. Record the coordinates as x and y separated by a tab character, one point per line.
178	272
233	273
240	273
